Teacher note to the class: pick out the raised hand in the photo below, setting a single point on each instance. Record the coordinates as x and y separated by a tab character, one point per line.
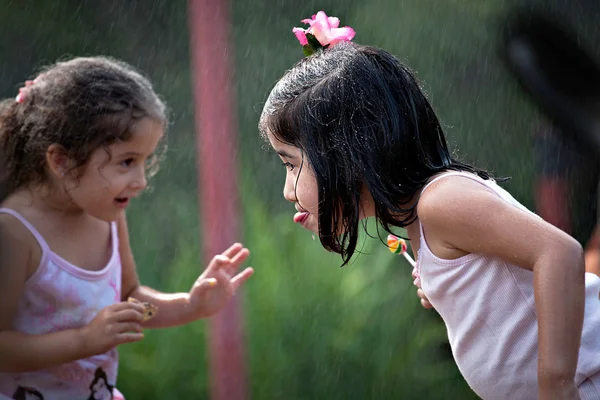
219	282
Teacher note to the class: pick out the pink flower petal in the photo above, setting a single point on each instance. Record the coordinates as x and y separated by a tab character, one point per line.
325	29
321	31
341	34
334	22
301	36
322	18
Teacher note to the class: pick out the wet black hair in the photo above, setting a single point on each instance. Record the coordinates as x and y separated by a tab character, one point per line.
360	118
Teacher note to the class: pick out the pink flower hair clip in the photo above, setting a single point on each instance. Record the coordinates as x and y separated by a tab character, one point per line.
23	90
322	32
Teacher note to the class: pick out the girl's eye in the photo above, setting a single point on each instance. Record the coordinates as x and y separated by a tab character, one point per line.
127	162
289	166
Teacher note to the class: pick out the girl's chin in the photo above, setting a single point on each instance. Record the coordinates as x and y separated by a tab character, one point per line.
311	227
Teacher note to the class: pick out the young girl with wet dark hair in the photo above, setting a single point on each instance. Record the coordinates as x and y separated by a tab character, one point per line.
359	139
76	146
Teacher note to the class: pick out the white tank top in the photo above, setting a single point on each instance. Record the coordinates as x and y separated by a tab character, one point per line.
488	307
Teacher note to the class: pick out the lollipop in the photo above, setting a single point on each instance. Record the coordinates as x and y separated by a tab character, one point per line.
398	246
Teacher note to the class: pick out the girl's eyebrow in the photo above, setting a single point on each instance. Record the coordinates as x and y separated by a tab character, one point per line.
285	154
130	154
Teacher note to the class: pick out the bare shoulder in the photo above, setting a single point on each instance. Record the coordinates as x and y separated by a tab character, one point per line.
18	246
12	231
17	263
455	196
451	210
460	216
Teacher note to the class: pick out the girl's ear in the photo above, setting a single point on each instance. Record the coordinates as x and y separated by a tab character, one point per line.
58	162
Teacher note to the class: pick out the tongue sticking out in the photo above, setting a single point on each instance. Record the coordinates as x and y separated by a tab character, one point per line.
300	217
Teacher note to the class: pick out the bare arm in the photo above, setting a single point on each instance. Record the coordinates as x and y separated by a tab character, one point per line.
18	351
208	295
462	214
172	308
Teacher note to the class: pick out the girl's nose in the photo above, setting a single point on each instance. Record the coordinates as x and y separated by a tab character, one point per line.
140	182
289	190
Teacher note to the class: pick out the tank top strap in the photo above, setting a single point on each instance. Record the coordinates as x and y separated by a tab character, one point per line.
464	174
40	239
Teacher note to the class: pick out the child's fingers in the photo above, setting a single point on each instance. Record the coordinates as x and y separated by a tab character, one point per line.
242	277
129	337
230	260
224	281
126	305
238	259
217	263
232	250
424	300
120	306
130	315
207	283
130	327
426	304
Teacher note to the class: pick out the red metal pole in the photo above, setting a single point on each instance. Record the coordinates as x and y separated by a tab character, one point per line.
216	154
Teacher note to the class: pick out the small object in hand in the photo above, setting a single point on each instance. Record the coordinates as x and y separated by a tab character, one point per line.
396	245
150	310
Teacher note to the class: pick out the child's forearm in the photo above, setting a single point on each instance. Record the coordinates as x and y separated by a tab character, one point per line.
20	352
560	301
173	308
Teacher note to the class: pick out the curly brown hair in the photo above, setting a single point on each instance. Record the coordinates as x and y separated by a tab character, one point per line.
81	104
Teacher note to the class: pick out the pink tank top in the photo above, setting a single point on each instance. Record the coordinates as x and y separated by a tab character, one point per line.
58	296
489	311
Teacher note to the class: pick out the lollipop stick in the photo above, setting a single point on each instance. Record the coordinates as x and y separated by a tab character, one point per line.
409	259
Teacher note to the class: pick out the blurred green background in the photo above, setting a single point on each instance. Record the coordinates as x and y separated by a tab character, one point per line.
313	330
